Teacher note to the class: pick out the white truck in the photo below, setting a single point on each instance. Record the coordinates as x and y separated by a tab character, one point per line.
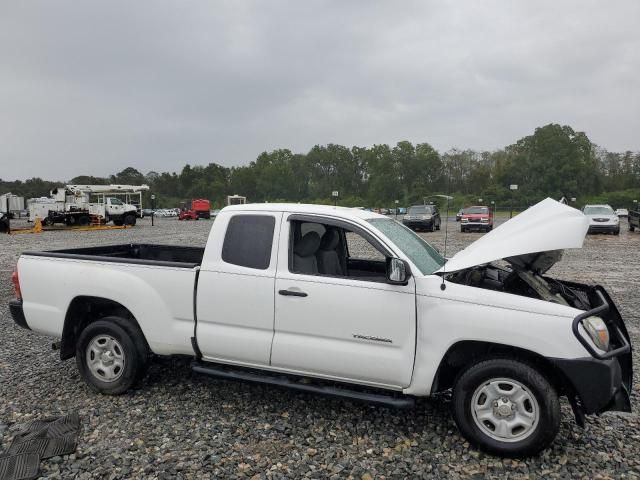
350	303
72	205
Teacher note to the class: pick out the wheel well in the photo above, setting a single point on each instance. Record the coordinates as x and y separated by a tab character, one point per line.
468	352
84	310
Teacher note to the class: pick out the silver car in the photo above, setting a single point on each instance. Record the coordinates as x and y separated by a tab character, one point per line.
602	219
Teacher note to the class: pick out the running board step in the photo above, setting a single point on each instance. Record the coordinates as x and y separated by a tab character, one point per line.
283	381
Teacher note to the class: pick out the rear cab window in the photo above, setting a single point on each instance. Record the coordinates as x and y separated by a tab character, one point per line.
248	241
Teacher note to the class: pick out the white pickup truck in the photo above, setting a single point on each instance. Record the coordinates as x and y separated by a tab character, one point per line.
350	303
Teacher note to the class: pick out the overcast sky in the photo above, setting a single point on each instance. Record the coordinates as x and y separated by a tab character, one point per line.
91	87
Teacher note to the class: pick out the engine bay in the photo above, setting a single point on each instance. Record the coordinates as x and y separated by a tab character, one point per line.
524	275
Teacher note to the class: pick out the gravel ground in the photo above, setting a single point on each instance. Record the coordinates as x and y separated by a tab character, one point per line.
177	424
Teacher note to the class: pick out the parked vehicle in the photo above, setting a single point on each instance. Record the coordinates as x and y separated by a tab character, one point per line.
479	217
622	212
71	205
214	213
355	305
202	208
5	222
602	219
422	217
188	215
634	220
402	211
459	214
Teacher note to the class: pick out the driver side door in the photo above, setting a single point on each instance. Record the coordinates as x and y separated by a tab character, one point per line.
350	326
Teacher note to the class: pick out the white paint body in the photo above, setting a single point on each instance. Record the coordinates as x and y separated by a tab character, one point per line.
241	319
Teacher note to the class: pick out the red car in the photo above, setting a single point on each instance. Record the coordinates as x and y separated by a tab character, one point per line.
187	215
476	218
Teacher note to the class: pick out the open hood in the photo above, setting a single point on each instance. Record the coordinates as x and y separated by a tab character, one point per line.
547	226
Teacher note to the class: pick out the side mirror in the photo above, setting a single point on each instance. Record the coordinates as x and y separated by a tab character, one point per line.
398	271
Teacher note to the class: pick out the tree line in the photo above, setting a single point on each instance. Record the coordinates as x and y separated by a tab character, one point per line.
554	161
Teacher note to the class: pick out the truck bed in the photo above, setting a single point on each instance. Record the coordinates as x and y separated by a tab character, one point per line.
136	253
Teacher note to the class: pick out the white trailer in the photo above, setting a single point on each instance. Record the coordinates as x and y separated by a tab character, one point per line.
11	204
236	200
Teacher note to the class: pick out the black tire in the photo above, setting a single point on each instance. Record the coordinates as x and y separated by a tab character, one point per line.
118	222
133	346
130	219
548	405
462	229
84	220
438	226
432	227
631	228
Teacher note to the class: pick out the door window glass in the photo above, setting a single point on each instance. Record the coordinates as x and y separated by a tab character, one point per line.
248	241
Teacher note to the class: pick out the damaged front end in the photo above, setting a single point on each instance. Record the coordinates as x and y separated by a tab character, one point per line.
595	384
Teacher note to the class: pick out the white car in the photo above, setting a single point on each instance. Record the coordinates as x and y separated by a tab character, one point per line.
602	219
355	304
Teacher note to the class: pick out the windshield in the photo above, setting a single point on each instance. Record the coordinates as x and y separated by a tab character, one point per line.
476	210
115	201
419	210
598	210
423	255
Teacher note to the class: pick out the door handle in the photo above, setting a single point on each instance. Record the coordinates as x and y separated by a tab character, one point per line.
292	293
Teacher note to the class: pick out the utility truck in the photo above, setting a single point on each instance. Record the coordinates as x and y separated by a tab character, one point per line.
346	302
84	204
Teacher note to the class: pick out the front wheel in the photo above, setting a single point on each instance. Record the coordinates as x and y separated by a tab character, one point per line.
130	219
111	355
506	407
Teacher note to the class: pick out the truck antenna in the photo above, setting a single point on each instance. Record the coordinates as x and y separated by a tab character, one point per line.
443	286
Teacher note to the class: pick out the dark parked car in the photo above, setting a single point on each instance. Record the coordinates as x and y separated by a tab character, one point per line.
634	219
422	217
459	214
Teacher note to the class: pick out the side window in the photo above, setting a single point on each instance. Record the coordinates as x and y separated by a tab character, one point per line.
327	250
248	241
361	249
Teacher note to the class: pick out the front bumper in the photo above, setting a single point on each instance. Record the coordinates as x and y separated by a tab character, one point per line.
418	223
611	228
603	381
599	384
476	225
17	313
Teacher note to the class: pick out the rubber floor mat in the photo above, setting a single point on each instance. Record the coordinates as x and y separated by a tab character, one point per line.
48	437
24	466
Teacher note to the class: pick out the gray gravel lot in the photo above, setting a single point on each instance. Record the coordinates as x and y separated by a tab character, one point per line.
177	424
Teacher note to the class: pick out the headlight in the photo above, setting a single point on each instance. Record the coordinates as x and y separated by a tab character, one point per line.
426	217
616	220
598	332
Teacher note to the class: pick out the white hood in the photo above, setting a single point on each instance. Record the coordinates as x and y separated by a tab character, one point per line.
548	225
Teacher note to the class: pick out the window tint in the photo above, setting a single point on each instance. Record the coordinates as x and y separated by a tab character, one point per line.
477	210
248	241
420	210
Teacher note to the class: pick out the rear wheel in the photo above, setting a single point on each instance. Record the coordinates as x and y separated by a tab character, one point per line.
506	407
84	220
112	355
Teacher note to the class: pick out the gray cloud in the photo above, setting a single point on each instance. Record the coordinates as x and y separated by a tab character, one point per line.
93	87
